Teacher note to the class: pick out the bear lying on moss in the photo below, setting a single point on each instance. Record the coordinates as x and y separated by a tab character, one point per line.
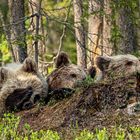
21	86
66	74
122	72
64	78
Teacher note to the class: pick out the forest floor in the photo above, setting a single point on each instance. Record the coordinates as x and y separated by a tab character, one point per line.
92	106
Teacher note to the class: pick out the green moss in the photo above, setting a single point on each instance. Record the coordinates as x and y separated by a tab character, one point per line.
9	125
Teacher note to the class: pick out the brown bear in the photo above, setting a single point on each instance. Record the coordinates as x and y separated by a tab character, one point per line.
66	75
120	76
21	85
114	66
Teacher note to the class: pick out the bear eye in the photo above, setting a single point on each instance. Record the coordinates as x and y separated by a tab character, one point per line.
129	63
73	75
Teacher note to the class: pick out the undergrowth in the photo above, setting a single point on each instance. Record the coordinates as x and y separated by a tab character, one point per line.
9	130
86	82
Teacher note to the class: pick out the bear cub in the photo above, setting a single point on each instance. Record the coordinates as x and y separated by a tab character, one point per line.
21	86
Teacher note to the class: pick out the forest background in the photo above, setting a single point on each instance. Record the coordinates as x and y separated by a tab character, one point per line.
82	28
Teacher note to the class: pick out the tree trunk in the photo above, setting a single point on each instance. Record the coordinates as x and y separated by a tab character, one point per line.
0	58
35	8
79	33
107	45
38	8
138	27
95	31
19	31
128	40
8	38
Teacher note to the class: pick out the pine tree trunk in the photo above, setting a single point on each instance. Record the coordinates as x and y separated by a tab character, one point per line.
79	33
128	39
19	31
35	8
107	45
95	31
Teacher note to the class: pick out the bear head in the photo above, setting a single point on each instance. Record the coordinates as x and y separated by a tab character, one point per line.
66	74
114	66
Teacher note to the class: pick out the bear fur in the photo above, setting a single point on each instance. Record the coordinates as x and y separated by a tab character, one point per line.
22	79
66	75
18	98
114	66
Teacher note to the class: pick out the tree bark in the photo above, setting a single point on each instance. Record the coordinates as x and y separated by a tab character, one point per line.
0	58
8	38
19	31
107	45
79	33
35	8
128	40
95	30
38	8
137	28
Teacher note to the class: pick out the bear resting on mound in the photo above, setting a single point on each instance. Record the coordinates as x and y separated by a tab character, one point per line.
21	86
96	105
66	75
120	79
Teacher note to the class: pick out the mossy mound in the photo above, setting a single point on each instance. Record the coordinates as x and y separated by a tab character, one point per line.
98	105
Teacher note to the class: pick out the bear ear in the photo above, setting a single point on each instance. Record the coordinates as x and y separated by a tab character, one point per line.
29	65
3	74
103	62
92	71
62	60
